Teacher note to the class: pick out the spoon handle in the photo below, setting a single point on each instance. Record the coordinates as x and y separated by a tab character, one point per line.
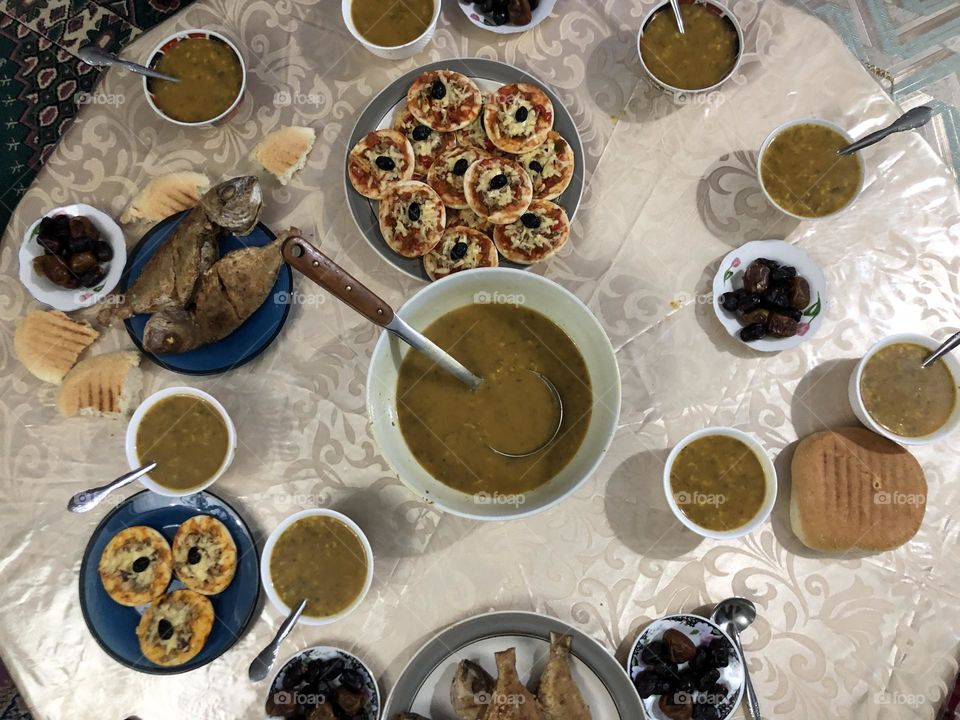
675	4
751	693
304	257
260	667
948	345
910	120
425	345
88	499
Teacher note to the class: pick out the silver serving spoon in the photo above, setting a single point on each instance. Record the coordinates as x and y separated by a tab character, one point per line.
98	57
951	343
675	4
304	257
736	614
910	120
260	667
88	499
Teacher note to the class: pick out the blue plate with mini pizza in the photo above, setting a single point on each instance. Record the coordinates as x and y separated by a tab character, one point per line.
114	625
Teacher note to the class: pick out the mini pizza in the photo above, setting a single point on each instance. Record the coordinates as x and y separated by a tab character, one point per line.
412	218
444	100
468	218
461	248
539	233
475	135
427	143
136	566
204	555
550	166
518	117
379	160
175	627
446	175
498	190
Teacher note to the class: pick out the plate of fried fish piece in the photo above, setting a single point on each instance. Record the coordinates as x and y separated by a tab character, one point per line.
512	666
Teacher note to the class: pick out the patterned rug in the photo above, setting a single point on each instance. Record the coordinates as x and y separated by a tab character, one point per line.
912	45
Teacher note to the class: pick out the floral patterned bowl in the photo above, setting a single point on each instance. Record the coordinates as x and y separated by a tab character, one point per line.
730	277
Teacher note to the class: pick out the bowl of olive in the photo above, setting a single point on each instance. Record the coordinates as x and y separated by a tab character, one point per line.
72	257
769	295
507	17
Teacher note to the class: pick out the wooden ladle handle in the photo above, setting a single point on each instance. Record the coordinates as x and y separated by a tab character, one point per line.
304	257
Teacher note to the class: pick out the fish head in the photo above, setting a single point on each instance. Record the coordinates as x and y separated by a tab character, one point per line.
234	204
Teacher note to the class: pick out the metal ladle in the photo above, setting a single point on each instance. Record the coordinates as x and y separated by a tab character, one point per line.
910	120
733	615
98	57
948	345
303	256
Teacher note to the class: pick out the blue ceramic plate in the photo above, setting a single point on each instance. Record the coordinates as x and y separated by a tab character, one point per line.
243	344
114	626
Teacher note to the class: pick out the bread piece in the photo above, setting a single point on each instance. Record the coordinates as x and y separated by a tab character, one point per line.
165	196
283	152
48	343
106	384
855	490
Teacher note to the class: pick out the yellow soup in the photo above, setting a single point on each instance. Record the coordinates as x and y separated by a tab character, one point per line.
700	57
210	76
389	24
718	482
448	427
319	559
186	437
803	173
903	397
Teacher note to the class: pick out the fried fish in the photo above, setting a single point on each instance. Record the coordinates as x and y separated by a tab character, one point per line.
559	696
510	699
470	691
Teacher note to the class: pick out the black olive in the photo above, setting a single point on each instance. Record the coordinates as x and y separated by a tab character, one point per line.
458	250
413	212
141	564
757	331
165	629
729	301
93	277
421	133
536	166
521	114
747	302
646	683
193	556
438	91
498	181
531	220
385	163
777	298
78	245
460	166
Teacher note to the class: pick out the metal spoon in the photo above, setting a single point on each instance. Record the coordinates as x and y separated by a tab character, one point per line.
736	614
948	345
304	257
910	120
260	667
88	499
675	4
98	57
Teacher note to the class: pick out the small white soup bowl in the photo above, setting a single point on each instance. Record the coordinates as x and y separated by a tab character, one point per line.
860	410
267	578
534	293
769	473
396	52
808	121
134	460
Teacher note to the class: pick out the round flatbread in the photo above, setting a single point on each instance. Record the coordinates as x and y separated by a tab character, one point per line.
468	218
518	117
539	233
550	166
412	218
175	627
136	566
444	100
204	555
498	190
446	175
427	143
379	160
475	135
460	249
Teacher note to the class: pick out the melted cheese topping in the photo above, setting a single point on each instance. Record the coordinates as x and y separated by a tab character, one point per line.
429	215
211	549
472	258
119	561
498	197
387	150
180	615
467	218
508	116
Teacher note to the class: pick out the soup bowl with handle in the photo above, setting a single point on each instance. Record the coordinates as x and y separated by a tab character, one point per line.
533	292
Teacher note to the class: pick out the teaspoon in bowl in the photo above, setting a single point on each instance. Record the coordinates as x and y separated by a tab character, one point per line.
910	120
948	345
98	57
733	615
303	256
88	499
